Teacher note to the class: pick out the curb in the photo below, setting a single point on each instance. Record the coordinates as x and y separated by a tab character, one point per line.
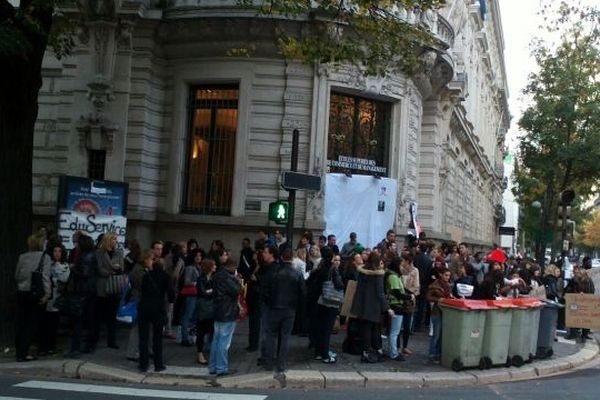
309	379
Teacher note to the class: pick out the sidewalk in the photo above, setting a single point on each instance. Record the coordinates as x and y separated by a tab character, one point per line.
305	373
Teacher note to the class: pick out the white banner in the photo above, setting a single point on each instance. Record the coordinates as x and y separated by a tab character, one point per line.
361	204
92	225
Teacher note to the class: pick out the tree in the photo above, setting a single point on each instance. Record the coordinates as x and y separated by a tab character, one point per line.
379	36
591	231
560	145
25	32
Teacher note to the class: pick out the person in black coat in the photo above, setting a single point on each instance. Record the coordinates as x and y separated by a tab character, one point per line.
369	306
326	313
226	288
156	286
205	307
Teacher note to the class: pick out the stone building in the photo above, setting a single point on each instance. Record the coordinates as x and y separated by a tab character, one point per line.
151	97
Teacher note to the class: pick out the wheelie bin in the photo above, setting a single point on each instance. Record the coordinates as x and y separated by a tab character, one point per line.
547	329
523	331
463	324
496	334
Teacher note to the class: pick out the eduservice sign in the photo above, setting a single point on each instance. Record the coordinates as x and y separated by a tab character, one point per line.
93	207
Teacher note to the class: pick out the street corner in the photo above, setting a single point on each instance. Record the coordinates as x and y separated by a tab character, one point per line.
487	377
38	368
98	372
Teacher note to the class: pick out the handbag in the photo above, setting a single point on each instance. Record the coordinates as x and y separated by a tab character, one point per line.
69	304
37	280
330	296
116	284
127	311
189	291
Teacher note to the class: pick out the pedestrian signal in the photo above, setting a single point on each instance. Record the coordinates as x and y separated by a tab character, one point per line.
278	212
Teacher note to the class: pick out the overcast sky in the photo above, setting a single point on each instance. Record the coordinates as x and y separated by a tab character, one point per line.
520	24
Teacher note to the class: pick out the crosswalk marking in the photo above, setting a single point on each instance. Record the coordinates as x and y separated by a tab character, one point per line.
137	392
16	398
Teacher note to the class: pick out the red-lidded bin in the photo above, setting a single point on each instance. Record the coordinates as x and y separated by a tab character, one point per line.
463	326
497	334
524	330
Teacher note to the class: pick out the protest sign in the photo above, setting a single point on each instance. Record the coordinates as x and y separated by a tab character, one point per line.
582	311
92	225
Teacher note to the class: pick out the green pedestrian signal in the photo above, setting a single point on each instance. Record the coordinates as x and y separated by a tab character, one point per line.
278	212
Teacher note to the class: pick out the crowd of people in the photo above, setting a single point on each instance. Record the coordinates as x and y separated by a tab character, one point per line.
196	297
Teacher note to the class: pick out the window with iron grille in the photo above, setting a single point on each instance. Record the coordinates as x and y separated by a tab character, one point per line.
213	111
96	164
358	137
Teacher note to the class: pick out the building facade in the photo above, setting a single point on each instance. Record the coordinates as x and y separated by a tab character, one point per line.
152	96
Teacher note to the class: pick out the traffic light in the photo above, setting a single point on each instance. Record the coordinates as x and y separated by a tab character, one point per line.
564	213
278	212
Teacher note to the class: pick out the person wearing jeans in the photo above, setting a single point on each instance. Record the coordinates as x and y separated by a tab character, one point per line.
438	290
226	289
190	291
396	296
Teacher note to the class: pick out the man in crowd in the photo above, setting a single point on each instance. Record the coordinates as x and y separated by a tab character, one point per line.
387	242
281	241
267	267
331	243
246	268
286	292
424	264
348	247
226	288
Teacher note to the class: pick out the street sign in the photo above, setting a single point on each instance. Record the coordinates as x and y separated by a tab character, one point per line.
507	230
279	211
299	181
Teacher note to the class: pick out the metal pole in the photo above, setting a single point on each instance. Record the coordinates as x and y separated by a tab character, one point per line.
292	193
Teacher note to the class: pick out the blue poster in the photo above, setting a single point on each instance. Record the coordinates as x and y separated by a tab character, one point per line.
96	197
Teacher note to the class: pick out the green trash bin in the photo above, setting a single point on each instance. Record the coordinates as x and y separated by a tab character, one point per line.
523	331
463	324
496	335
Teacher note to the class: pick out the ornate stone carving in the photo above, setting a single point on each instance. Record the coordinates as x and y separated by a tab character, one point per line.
124	33
99	93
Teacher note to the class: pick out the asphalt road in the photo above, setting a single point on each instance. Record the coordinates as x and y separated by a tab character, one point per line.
580	385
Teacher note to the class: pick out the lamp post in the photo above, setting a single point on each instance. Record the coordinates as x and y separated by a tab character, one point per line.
539	252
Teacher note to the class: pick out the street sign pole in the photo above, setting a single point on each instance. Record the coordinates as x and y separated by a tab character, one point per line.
292	192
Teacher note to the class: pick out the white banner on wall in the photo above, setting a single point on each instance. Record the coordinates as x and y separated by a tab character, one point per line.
361	204
92	225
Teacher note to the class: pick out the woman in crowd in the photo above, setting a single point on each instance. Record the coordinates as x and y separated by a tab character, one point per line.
28	306
174	269
59	275
110	261
550	282
369	306
216	250
326	313
79	297
465	283
580	283
396	295
136	277
299	262
410	278
189	292
156	286
438	290
205	308
133	257
314	258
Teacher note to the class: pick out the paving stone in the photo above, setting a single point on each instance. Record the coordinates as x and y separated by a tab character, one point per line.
384	380
304	379
526	372
343	379
491	376
102	373
444	379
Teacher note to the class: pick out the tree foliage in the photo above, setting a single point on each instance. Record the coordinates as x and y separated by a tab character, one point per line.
376	35
591	231
560	143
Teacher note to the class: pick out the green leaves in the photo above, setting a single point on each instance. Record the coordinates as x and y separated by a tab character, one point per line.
372	34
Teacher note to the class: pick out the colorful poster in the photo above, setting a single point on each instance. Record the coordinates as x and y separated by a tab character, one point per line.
93	225
93	196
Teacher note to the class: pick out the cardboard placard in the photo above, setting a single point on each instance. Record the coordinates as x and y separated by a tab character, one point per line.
348	299
582	311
